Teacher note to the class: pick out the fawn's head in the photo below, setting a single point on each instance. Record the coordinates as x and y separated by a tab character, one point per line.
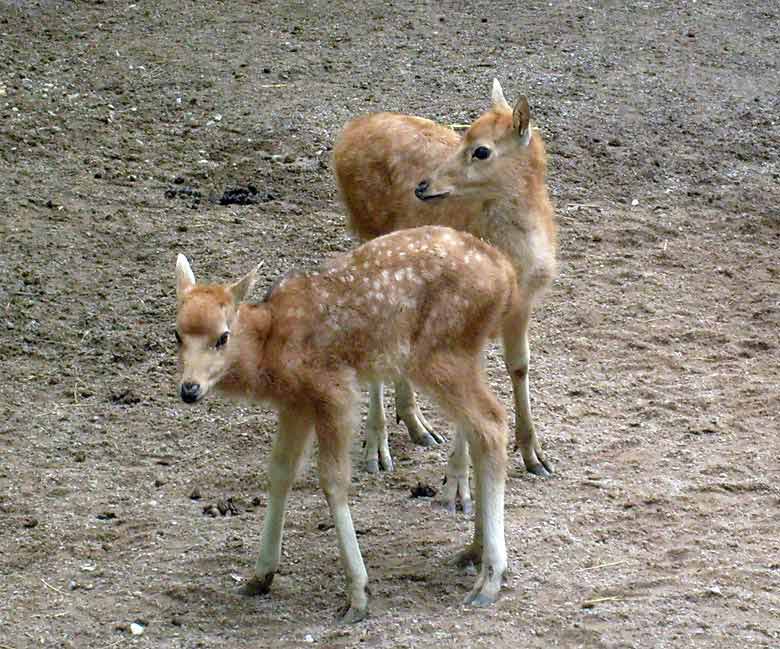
488	155
206	315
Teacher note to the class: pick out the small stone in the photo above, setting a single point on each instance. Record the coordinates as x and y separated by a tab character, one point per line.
308	638
136	629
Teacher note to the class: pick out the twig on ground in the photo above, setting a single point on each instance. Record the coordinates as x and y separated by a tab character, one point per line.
602	565
590	603
54	588
114	644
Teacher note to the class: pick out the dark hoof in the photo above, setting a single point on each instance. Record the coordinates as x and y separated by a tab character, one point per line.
375	466
372	466
481	600
541	469
426	440
351	615
468	559
256	586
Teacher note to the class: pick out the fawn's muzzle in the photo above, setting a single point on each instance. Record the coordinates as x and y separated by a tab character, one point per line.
190	392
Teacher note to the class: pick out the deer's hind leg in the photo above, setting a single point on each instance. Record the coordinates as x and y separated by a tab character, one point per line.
377	451
456	480
408	411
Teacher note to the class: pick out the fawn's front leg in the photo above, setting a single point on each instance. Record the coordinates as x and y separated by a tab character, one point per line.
294	432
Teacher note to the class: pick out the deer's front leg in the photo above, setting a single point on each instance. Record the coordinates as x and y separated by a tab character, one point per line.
294	432
407	411
377	451
517	359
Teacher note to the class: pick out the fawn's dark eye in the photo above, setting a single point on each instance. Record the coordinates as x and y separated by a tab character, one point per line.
222	340
481	153
178	337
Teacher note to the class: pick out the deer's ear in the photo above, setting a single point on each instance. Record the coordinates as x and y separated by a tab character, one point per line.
185	278
521	120
499	101
243	287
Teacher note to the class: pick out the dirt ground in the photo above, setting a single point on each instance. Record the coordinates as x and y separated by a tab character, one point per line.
655	374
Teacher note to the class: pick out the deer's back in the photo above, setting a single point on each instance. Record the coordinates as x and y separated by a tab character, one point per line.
378	161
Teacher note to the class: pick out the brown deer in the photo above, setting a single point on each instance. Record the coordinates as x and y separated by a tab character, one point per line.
398	171
420	303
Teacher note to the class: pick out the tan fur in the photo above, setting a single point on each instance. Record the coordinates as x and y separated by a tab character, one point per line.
419	303
380	158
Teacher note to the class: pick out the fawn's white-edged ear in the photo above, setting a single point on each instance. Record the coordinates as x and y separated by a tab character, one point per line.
521	120
244	286
499	101
185	278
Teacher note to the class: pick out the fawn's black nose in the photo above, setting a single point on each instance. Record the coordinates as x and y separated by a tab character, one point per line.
420	190
190	392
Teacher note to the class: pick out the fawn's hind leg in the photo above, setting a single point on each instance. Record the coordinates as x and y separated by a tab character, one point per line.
458	386
334	434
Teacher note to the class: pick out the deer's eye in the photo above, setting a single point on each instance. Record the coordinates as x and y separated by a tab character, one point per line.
481	153
222	340
178	337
